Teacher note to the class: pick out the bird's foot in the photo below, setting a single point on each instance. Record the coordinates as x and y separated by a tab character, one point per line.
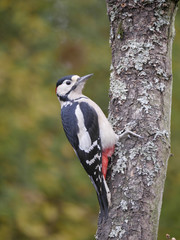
128	132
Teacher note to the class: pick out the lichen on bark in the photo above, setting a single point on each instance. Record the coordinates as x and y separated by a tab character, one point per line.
140	99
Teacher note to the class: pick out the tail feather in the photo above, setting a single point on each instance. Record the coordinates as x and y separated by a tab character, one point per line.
104	196
108	193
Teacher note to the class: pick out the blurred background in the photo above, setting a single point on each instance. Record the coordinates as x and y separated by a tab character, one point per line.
44	192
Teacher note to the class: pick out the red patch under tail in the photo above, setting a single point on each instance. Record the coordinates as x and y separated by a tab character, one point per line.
105	154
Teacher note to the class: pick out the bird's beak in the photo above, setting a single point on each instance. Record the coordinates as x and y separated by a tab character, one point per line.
84	78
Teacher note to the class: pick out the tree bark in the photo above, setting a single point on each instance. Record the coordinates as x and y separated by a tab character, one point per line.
141	35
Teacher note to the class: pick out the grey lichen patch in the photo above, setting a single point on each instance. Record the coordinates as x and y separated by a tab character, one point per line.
159	85
144	101
148	153
114	121
164	135
162	19
123	205
117	231
145	97
130	125
118	89
120	166
133	205
149	175
134	152
121	163
142	73
162	72
137	53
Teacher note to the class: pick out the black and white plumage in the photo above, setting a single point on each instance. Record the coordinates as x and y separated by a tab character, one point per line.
89	133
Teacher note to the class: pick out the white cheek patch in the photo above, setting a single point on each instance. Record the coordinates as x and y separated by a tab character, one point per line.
63	89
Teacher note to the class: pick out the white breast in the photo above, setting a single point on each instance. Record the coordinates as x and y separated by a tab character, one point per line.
107	134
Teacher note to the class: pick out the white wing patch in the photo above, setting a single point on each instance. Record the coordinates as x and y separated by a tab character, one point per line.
83	135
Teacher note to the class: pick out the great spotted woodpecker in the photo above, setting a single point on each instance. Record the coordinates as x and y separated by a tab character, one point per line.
89	132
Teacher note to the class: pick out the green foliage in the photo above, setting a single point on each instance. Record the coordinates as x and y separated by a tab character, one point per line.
44	192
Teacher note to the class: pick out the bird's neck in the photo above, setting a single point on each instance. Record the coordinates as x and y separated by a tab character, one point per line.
72	97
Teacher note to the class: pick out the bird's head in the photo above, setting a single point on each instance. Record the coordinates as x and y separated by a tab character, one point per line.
69	87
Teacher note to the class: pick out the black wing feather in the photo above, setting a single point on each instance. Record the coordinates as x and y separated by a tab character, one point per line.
69	122
91	120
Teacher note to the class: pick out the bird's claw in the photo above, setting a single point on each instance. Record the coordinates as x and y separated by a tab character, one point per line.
129	132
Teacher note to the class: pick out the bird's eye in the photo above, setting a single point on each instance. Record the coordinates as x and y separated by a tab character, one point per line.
68	82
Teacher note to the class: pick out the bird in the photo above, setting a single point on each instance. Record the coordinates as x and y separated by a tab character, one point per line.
90	134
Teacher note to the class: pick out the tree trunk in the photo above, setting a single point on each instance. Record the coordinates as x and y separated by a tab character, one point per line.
141	35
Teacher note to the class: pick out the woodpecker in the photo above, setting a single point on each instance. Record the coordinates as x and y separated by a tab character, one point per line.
89	132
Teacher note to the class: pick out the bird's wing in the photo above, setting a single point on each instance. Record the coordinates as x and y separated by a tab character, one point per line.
80	122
